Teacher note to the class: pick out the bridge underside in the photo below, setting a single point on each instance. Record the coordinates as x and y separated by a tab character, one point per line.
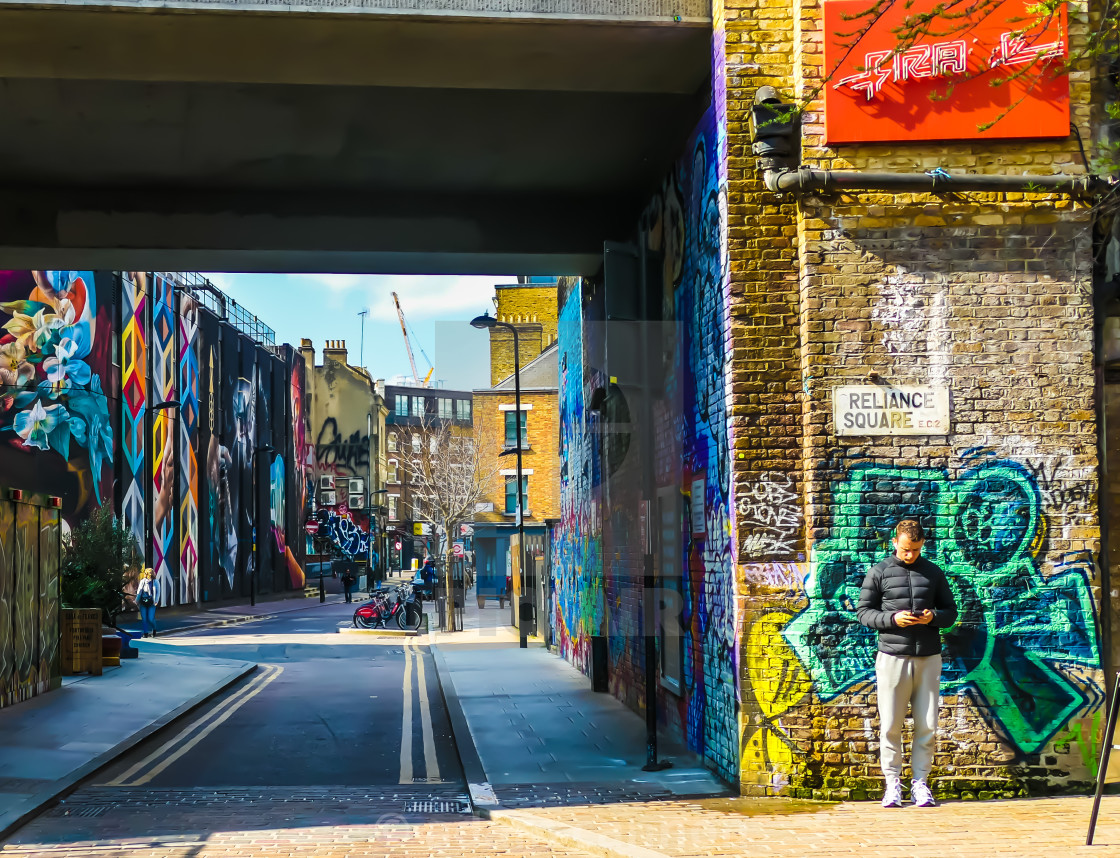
333	142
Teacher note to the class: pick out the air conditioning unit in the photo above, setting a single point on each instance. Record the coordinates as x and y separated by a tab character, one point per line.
356	487
356	501
328	498
326	482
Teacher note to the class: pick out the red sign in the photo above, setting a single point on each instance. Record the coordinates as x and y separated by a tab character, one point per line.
940	87
457	549
312	527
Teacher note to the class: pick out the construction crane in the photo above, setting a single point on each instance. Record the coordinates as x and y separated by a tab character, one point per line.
408	347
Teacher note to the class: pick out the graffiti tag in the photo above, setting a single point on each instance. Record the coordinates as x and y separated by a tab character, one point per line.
769	517
332	450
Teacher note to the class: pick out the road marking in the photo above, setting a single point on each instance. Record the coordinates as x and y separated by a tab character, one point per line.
431	764
406	721
200	728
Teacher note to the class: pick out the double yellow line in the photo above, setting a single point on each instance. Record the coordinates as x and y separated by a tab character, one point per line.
187	738
414	662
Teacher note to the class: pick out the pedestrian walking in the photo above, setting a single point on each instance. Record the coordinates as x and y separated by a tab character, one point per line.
348	580
147	597
907	600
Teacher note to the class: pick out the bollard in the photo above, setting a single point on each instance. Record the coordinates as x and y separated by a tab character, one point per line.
322	592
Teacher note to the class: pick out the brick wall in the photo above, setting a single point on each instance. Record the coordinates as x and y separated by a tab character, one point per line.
533	310
543	457
987	295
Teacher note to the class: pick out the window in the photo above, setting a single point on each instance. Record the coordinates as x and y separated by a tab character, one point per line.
392	442
393	500
511	494
418	406
511	429
392	476
415	445
462	409
445	408
402	406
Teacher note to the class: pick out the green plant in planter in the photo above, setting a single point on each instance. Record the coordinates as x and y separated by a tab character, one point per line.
96	557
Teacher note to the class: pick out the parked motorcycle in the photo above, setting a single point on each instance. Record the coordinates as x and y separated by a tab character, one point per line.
397	605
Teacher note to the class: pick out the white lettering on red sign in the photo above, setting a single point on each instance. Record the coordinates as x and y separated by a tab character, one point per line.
944	59
1015	50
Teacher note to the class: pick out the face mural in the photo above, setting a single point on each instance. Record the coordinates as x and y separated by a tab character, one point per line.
55	425
988	533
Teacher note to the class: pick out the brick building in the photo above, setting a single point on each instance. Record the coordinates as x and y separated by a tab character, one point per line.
839	343
532	308
410	409
347	410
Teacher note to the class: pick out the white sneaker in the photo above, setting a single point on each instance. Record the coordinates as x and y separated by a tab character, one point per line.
921	795
893	795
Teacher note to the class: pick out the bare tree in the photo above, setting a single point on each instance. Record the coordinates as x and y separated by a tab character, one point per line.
449	476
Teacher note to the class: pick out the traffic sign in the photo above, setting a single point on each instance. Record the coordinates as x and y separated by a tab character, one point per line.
457	549
397	545
312	527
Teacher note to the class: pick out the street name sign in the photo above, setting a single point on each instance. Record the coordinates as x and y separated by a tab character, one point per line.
875	409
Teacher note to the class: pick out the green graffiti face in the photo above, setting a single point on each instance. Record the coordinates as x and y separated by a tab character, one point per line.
1015	628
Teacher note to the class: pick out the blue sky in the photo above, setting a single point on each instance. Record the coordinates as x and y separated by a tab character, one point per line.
326	306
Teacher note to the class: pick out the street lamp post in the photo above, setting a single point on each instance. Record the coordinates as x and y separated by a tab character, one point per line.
263	448
488	322
150	501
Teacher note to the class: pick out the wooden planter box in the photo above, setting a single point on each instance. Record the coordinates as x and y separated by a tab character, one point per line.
81	641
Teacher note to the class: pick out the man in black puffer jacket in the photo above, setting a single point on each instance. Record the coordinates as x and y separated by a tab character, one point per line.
907	600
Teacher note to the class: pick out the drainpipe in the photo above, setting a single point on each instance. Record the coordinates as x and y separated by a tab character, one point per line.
774	133
805	180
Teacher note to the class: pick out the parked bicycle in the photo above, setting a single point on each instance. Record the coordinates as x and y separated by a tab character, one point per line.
397	605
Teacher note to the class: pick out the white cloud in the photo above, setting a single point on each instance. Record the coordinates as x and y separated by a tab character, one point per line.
431	297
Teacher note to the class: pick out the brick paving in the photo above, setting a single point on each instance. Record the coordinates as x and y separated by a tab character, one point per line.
276	822
1024	828
330	822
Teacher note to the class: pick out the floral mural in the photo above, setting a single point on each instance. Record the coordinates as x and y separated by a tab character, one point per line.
54	352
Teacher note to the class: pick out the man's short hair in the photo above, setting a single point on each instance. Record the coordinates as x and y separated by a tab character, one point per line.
910	528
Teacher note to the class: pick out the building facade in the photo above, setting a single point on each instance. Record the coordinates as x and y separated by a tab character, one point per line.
495	522
410	410
817	366
347	412
154	393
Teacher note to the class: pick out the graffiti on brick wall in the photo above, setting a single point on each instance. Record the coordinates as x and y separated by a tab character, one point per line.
1019	633
686	232
577	539
769	516
777	683
343	532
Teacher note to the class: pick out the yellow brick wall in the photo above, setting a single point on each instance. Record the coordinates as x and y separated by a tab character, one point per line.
543	457
533	310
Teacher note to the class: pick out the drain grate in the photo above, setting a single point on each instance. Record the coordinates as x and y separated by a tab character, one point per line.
438	805
79	810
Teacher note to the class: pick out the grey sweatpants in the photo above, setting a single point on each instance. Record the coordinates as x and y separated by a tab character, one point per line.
902	679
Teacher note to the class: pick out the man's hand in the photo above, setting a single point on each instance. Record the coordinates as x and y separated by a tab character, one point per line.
909	618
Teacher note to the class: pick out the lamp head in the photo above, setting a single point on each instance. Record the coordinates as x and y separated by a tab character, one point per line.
170	403
484	321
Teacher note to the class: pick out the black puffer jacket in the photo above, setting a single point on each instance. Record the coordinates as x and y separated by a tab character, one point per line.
890	587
